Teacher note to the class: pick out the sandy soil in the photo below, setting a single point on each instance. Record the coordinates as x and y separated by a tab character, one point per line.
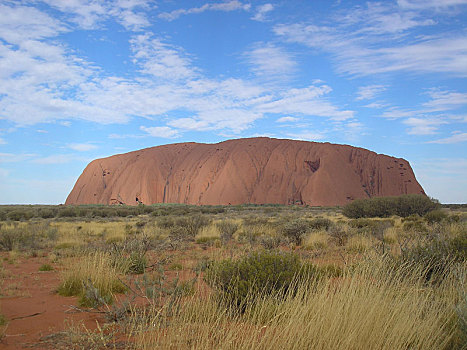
32	307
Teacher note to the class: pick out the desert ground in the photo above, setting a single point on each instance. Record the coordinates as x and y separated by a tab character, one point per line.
231	277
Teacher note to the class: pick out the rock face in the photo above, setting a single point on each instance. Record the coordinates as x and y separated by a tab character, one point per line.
255	170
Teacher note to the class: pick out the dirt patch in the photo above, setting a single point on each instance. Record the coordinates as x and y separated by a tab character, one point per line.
32	307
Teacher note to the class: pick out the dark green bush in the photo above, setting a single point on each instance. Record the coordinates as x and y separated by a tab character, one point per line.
436	255
387	206
19	214
193	223
295	230
320	224
435	216
227	229
259	273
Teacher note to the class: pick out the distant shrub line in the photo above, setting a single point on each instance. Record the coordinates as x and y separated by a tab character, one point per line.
403	206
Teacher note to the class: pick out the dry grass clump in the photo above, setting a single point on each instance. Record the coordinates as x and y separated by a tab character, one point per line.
359	243
375	307
91	278
208	234
316	240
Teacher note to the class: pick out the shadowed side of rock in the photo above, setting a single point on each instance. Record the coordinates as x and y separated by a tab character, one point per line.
255	170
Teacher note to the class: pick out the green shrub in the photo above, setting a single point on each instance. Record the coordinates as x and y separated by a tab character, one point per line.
320	224
46	267
436	255
387	206
227	228
295	230
260	272
138	262
435	216
19	214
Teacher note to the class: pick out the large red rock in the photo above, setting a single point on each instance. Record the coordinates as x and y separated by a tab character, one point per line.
255	170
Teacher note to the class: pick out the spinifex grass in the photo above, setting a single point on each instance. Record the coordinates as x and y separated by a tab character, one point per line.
94	271
374	307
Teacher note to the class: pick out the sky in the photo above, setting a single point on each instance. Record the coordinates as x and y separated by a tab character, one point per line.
85	79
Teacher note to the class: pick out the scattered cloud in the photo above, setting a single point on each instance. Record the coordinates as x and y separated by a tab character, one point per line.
262	11
307	136
423	126
160	59
89	14
369	92
15	158
456	137
376	105
373	39
287	119
270	62
161	131
305	101
233	5
429	4
82	147
2	141
442	100
54	159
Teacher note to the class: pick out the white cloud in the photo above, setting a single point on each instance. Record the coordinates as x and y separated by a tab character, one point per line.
2	141
161	131
376	105
227	6
442	100
21	23
15	158
89	14
368	40
305	101
54	159
270	62
190	124
81	147
160	59
456	137
44	81
287	119
429	4
369	92
306	136
262	11
423	126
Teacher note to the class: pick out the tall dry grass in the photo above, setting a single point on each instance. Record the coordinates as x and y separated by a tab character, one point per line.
97	269
374	307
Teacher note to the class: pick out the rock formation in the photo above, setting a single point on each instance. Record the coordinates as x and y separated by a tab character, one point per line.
254	170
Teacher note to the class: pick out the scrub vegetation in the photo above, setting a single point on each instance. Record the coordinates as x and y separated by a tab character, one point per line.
251	276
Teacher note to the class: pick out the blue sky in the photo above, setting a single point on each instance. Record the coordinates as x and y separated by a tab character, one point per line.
83	79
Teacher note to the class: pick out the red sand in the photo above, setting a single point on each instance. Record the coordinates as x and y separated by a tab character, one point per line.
255	170
35	310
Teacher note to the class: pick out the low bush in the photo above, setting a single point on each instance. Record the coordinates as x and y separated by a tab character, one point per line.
435	216
295	230
387	206
46	267
437	254
320	224
257	274
227	229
